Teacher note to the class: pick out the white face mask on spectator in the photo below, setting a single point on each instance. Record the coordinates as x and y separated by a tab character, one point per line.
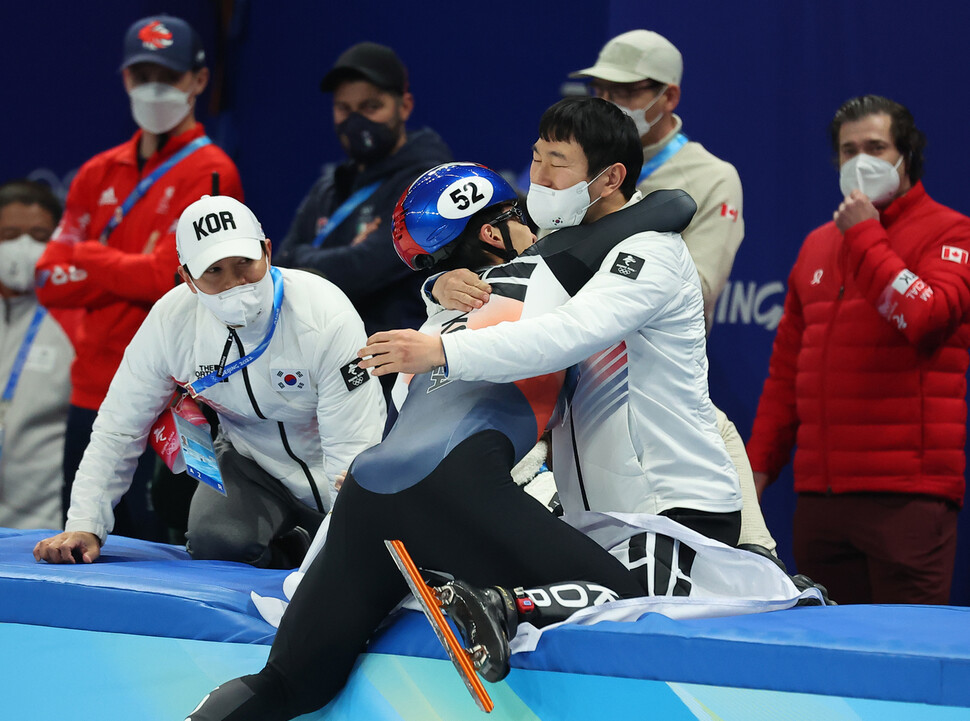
17	260
158	107
242	305
875	177
640	116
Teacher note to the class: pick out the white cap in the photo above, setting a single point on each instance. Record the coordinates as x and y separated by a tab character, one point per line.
634	56
217	227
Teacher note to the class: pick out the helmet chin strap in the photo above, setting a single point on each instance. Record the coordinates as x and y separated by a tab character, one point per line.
508	252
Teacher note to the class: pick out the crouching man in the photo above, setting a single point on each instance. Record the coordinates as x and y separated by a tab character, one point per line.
272	352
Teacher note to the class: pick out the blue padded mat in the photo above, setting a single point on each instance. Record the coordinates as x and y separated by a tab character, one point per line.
915	654
136	587
918	654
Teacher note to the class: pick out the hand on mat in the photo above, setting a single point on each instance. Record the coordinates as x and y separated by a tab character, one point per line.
401	351
68	547
461	289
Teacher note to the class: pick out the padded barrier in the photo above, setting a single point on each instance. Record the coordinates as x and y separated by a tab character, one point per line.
917	654
869	661
136	587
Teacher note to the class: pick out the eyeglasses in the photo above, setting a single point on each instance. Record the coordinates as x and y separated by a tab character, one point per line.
623	93
514	212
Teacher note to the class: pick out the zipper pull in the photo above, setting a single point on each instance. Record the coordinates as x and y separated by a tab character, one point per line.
841	291
225	355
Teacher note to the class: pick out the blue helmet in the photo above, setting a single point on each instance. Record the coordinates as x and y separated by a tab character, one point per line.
434	211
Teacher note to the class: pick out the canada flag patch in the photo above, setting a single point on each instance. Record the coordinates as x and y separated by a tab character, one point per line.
957	255
729	212
288	380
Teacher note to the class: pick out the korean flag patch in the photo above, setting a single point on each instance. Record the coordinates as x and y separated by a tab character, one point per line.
288	380
629	266
354	376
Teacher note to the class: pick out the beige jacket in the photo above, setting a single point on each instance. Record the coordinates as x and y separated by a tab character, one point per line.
715	233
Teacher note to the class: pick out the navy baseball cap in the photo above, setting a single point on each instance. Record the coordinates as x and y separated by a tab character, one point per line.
164	40
372	62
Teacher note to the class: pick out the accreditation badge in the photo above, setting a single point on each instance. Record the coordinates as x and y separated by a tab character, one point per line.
199	453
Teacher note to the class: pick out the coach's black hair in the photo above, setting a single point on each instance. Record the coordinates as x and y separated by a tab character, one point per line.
602	130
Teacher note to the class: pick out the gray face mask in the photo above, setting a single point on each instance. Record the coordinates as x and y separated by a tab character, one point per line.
17	260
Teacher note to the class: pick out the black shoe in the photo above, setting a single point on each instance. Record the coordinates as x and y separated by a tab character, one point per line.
803	583
487	619
289	550
762	551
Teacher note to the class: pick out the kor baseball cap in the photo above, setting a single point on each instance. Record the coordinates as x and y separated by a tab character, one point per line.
634	56
164	40
375	63
216	227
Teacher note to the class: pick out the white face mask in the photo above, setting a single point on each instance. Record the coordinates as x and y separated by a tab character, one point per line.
242	305
17	260
551	208
875	177
158	107
640	116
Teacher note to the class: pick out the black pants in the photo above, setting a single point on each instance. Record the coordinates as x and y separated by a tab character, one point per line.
723	527
245	524
467	518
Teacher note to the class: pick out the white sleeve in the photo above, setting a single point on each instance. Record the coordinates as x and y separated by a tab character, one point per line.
350	416
139	392
608	308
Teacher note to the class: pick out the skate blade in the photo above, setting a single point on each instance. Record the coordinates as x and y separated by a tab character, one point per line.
432	611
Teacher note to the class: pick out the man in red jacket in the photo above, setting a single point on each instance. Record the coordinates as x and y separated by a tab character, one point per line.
113	253
868	373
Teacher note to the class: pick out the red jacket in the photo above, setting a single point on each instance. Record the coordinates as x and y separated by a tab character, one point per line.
117	283
868	372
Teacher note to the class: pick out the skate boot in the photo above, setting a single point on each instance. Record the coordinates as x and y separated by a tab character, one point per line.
487	619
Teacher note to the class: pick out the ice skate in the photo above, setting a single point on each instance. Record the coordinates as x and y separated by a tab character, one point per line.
486	618
432	604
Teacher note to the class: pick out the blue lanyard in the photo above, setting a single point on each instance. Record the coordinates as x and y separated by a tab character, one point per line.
21	359
345	209
210	380
147	182
669	150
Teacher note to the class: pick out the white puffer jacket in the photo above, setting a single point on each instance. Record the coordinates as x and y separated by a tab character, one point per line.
303	435
641	432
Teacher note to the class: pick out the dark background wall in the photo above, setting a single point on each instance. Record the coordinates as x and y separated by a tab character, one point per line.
761	82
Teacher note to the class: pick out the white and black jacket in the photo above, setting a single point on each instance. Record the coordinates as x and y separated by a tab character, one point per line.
303	435
640	432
